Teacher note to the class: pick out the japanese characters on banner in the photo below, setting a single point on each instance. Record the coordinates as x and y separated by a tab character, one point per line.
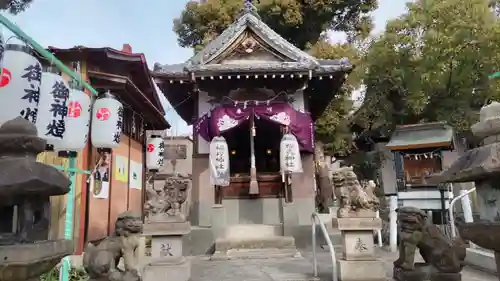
155	148
121	168
135	176
100	177
107	121
52	108
77	122
219	162
290	161
19	84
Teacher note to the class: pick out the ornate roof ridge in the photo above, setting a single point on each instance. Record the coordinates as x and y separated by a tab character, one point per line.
250	19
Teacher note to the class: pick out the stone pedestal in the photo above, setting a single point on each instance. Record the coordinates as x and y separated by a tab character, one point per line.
166	250
359	262
218	220
424	272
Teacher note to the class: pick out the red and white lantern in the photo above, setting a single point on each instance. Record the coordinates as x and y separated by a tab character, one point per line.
20	81
107	122
77	122
155	149
52	108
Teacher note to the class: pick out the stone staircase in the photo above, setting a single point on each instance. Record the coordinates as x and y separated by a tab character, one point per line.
254	241
258	241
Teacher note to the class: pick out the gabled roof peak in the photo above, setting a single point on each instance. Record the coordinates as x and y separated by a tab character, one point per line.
249	8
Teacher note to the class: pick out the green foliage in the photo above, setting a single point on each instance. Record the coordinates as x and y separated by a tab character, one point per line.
15	6
432	64
365	164
300	22
332	127
75	274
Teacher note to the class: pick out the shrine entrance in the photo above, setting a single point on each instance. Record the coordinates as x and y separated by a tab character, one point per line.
266	150
248	93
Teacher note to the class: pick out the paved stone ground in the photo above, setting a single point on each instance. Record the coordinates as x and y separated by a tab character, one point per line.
291	269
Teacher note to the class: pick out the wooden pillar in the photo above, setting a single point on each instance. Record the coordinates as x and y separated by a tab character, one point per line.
217	195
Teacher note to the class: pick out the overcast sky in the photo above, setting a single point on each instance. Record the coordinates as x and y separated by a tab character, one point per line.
146	25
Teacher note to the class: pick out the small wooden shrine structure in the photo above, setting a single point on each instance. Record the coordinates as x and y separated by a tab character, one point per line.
422	150
250	86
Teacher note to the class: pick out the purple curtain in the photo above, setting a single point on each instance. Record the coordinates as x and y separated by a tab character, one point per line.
225	118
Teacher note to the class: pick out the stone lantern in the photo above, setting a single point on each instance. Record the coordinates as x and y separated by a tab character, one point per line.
25	188
482	166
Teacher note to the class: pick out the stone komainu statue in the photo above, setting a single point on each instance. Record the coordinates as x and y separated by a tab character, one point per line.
352	196
101	259
435	248
166	200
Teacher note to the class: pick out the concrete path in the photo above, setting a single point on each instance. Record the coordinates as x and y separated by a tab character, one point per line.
291	269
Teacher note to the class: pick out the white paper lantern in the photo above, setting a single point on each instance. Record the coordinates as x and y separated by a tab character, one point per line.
77	122
290	161
19	84
155	148
219	162
107	121
52	108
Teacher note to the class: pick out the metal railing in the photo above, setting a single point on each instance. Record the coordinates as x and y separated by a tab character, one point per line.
315	219
450	211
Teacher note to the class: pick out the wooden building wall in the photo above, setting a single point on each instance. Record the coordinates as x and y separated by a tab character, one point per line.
123	195
93	217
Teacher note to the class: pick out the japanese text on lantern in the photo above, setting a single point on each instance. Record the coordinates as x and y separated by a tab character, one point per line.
161	150
119	124
289	156
59	110
33	75
220	166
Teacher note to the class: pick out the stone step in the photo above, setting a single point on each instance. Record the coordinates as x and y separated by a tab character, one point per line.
293	277
252	231
255	248
253	254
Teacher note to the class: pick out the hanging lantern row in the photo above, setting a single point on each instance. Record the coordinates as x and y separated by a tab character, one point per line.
155	149
60	113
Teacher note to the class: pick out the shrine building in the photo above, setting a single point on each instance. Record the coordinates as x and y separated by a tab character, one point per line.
251	86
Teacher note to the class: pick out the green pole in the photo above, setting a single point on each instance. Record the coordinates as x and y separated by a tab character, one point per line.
494	75
68	225
73	170
68	228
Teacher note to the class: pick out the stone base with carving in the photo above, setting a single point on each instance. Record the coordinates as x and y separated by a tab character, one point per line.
424	272
170	268
166	250
359	262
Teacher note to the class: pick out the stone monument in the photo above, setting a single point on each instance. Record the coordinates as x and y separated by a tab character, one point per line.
101	258
167	225
25	189
356	219
444	259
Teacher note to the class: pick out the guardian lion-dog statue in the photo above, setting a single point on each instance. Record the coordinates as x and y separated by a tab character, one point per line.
354	198
101	259
437	250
